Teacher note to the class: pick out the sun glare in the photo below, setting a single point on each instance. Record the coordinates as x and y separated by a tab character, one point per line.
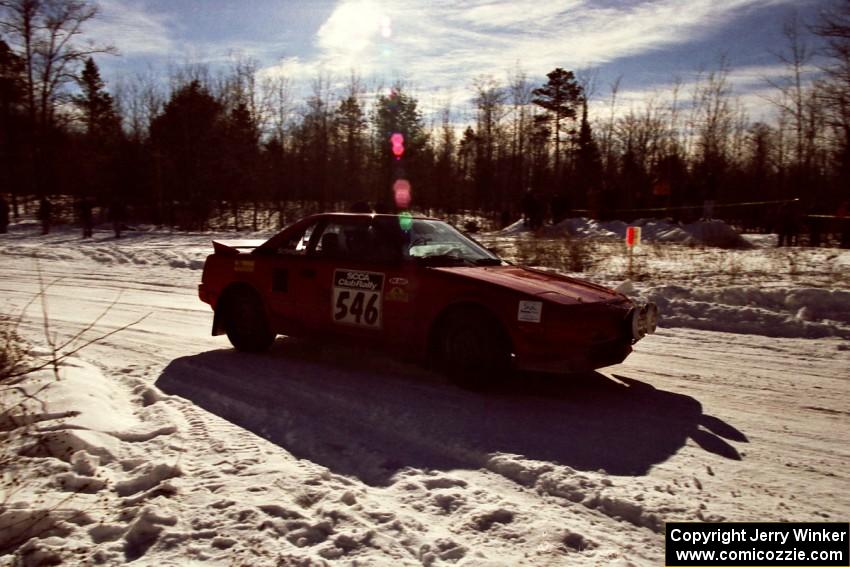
354	25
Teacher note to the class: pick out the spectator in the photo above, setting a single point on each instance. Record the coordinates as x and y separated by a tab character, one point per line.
560	207
532	209
84	209
528	206
844	222
788	223
4	215
504	218
117	212
45	211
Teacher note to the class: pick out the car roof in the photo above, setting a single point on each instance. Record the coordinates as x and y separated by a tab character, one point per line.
370	215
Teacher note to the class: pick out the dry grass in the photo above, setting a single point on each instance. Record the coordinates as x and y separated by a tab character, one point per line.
12	348
566	255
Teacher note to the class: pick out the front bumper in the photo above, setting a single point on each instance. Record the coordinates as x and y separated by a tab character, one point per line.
583	343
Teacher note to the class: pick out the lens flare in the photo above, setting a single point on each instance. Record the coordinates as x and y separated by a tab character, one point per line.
402	193
397	141
386	27
405	221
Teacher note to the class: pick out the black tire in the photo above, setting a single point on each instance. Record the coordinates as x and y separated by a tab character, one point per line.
472	349
245	322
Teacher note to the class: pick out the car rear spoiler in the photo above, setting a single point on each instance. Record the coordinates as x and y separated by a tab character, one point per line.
234	247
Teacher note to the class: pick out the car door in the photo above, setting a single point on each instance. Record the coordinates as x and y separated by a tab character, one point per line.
358	286
286	261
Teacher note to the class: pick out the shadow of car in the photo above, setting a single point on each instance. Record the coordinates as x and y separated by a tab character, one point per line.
369	417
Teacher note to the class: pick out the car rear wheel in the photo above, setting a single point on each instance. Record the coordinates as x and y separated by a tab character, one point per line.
472	349
245	322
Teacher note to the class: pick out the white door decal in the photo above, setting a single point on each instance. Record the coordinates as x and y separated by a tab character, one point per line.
357	298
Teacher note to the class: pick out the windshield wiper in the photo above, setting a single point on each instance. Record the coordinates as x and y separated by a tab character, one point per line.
488	262
445	259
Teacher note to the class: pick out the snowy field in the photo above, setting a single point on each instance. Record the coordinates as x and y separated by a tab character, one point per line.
162	445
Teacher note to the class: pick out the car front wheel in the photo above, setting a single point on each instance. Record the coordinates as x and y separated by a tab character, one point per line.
472	349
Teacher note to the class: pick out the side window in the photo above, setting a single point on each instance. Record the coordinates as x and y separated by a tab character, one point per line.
331	244
297	242
357	241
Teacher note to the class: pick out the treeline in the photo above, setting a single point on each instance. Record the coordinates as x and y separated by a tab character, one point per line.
215	145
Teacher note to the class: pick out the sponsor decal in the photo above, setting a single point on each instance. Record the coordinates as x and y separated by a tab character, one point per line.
357	298
530	311
399	281
398	294
243	265
369	281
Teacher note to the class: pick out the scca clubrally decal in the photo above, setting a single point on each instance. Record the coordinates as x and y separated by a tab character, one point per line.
357	298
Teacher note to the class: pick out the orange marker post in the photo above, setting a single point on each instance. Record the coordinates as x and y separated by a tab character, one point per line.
632	240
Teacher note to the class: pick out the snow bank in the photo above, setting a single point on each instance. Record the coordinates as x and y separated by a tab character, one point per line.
708	233
81	447
143	248
783	312
516	228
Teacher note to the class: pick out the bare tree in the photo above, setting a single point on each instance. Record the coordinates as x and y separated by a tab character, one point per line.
834	90
489	103
713	117
519	91
278	92
47	34
792	90
607	145
139	100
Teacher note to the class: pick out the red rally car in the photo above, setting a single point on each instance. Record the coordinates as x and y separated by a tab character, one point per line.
418	286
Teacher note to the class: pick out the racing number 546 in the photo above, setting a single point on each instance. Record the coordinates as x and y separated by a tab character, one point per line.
361	308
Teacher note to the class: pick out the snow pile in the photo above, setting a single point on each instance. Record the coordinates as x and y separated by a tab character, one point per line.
782	312
80	460
708	233
135	249
588	228
516	228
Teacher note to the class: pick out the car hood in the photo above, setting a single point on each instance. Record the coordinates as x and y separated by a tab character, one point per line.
546	285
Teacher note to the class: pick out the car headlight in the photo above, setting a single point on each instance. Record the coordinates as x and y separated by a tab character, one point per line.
644	320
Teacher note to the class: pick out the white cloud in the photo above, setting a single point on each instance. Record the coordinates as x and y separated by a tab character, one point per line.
351	27
510	14
133	30
292	68
450	42
441	45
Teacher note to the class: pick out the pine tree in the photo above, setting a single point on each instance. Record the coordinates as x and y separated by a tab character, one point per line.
12	121
397	113
95	103
559	98
189	136
588	162
350	126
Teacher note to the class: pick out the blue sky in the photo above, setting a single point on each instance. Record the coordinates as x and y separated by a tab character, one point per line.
439	47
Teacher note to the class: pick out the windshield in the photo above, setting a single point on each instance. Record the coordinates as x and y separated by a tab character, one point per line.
434	242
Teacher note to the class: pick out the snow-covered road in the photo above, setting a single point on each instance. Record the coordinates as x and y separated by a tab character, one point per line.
187	451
